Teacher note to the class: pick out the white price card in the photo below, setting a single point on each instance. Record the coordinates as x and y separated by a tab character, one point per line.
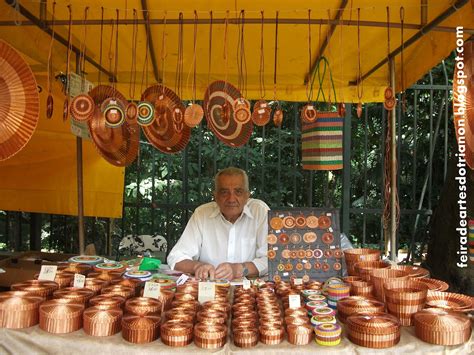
79	280
206	291
298	281
246	284
48	272
295	301
182	279
152	289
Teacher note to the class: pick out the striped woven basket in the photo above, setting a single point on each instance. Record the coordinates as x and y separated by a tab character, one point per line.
322	142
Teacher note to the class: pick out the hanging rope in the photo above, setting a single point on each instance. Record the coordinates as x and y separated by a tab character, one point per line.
50	53
262	60
101	40
209	60
275	59
309	88
402	69
133	68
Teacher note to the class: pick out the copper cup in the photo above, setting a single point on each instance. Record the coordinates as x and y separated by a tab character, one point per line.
101	323
142	306
19	309
140	329
107	301
176	333
60	316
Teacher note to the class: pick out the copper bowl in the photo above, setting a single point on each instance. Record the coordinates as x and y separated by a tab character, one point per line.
107	301
19	309
100	323
373	330
142	306
434	284
140	329
80	295
353	256
378	277
210	336
60	316
40	288
363	268
357	304
120	290
62	278
176	333
362	288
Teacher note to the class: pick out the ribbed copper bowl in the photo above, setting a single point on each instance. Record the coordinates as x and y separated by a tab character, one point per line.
434	284
19	309
60	316
140	329
363	268
41	288
101	323
176	333
142	306
353	256
380	276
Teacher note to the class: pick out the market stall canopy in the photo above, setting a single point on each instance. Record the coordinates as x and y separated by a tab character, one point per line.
429	34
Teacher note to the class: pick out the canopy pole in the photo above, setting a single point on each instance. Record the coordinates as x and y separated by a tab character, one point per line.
393	170
80	179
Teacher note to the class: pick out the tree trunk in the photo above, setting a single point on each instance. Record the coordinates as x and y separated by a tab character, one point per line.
444	241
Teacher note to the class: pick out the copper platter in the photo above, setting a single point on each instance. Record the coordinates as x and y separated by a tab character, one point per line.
308	113
165	133
119	146
19	102
218	107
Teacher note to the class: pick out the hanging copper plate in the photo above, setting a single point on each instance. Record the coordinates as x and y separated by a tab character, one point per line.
276	223
312	222
289	222
388	93
82	108
131	111
193	115
49	106
272	239
284	239
261	113
163	133
241	102
271	254
19	102
119	146
145	114
114	112
295	238
218	107
389	104
242	115
324	222
310	237
278	117
327	238
308	113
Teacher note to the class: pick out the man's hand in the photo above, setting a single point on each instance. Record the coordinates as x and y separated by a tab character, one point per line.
228	271
204	271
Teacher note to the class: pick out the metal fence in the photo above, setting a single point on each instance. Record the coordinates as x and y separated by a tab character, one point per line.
162	190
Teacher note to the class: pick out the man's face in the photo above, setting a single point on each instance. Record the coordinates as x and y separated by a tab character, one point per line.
231	196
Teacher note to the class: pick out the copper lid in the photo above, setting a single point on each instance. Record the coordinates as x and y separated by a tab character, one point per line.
19	309
100	322
81	295
299	334
434	284
141	306
140	329
373	323
412	270
357	304
60	316
107	276
296	320
224	307
38	287
120	290
107	301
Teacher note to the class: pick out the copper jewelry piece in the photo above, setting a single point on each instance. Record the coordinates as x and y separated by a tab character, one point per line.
317	253
437	326
337	266
78	295
295	238
210	336
328	253
309	254
353	256
327	238
131	111
373	330
41	288
356	304
271	254
19	309
142	306
60	316
107	301
284	239
325	266
338	253
100	323
300	222
176	333
140	329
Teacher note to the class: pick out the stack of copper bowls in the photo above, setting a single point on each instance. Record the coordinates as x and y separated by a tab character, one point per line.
62	278
373	330
353	256
357	304
404	298
380	276
60	316
176	333
19	309
363	268
78	295
120	290
211	330
362	288
142	306
101	322
107	301
328	334
271	324
140	329
244	318
437	326
40	288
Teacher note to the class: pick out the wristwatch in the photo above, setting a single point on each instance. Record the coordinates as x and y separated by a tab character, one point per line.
245	271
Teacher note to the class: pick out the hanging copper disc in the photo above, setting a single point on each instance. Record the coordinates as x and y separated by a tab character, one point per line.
193	115
261	113
82	108
131	111
278	117
146	113
388	93
241	102
309	114
389	103
49	106
242	114
113	111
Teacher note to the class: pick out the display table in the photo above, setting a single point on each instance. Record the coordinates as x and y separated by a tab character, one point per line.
35	341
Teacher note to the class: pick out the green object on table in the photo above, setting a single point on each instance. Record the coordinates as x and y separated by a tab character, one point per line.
149	264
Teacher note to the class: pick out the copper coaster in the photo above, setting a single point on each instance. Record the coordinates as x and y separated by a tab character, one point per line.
310	237
324	222
284	239
276	223
312	221
272	239
289	222
327	238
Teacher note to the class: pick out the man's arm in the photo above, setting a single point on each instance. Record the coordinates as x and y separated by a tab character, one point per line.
197	268
188	247
232	271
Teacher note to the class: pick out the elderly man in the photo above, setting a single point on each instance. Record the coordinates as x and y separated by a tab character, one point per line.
226	238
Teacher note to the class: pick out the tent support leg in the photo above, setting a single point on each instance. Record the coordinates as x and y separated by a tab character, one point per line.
393	171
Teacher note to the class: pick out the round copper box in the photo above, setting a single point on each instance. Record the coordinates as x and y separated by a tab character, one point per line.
19	309
79	295
120	290
140	329
245	337
101	323
41	288
176	333
373	330
60	316
107	301
142	306
210	336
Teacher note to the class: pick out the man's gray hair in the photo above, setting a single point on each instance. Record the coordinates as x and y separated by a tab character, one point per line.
232	171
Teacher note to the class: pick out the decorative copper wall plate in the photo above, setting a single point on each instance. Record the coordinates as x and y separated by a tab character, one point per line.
82	107
295	238
114	112
289	222
276	223
324	222
312	221
327	238
272	239
193	115
261	113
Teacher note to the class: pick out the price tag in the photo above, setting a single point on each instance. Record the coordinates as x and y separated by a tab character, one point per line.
246	284
310	107
285	274
298	281
48	272
261	111
152	289
206	291
330	229
332	247
304	261
79	280
329	214
275	248
295	301
182	279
